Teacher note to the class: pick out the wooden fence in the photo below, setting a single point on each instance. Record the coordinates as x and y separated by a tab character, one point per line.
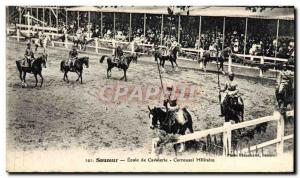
53	32
227	129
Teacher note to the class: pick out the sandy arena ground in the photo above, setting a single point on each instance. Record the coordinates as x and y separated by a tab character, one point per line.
64	115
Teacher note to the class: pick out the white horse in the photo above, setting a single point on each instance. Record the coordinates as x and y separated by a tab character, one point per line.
42	42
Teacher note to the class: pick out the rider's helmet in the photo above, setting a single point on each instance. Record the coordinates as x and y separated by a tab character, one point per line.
231	75
169	87
284	66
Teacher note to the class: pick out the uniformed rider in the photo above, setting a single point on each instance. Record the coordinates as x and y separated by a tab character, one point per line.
231	89
285	76
73	55
29	55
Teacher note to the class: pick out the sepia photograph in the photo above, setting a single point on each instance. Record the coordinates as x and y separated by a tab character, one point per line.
149	89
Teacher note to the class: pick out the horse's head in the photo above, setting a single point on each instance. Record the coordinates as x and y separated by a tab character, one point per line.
134	57
42	58
85	60
153	116
157	54
157	116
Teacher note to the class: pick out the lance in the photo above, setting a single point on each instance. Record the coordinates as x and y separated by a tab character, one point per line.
161	83
218	70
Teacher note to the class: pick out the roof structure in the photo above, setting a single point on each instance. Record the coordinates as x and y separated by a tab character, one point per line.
283	13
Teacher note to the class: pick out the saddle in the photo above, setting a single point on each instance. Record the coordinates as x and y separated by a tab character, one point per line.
25	62
71	63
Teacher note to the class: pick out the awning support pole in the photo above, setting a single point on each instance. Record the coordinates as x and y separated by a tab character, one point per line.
130	30
162	28
245	38
179	29
101	25
277	32
145	18
114	25
224	25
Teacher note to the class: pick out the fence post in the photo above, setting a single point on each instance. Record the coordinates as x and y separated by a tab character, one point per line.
52	43
114	47
227	138
18	35
132	47
261	62
66	40
154	146
280	132
96	45
229	64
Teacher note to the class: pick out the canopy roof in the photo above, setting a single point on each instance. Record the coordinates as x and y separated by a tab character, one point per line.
284	13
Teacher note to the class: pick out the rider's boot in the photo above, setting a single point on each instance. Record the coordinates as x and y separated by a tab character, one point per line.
222	111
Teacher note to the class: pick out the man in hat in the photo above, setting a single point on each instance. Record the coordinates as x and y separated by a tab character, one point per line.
231	89
73	54
285	76
170	99
29	55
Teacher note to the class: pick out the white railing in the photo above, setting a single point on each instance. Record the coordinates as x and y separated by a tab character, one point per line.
53	32
227	128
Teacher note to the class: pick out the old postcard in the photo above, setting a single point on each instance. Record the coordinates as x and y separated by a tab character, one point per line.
150	89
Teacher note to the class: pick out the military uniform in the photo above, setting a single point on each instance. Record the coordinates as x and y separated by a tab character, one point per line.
73	54
119	55
29	55
284	78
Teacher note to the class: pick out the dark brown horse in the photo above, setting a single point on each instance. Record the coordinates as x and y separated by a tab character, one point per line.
78	68
175	123
163	58
35	69
122	65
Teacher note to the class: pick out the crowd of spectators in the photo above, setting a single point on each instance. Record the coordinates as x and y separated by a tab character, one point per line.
256	44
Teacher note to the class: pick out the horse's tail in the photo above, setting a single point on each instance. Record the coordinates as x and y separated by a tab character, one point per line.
102	58
62	68
19	67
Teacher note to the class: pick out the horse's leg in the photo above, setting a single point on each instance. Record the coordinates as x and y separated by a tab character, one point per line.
78	76
172	65
21	75
24	77
123	75
107	72
66	74
36	80
81	77
40	74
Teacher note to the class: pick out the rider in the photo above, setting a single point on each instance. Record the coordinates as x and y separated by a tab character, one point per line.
119	54
232	91
284	77
73	55
29	55
168	47
225	53
170	102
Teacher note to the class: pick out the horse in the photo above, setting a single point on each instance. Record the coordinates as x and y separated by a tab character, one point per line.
122	65
78	66
207	56
35	69
42	42
233	108
286	96
162	58
162	120
81	40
